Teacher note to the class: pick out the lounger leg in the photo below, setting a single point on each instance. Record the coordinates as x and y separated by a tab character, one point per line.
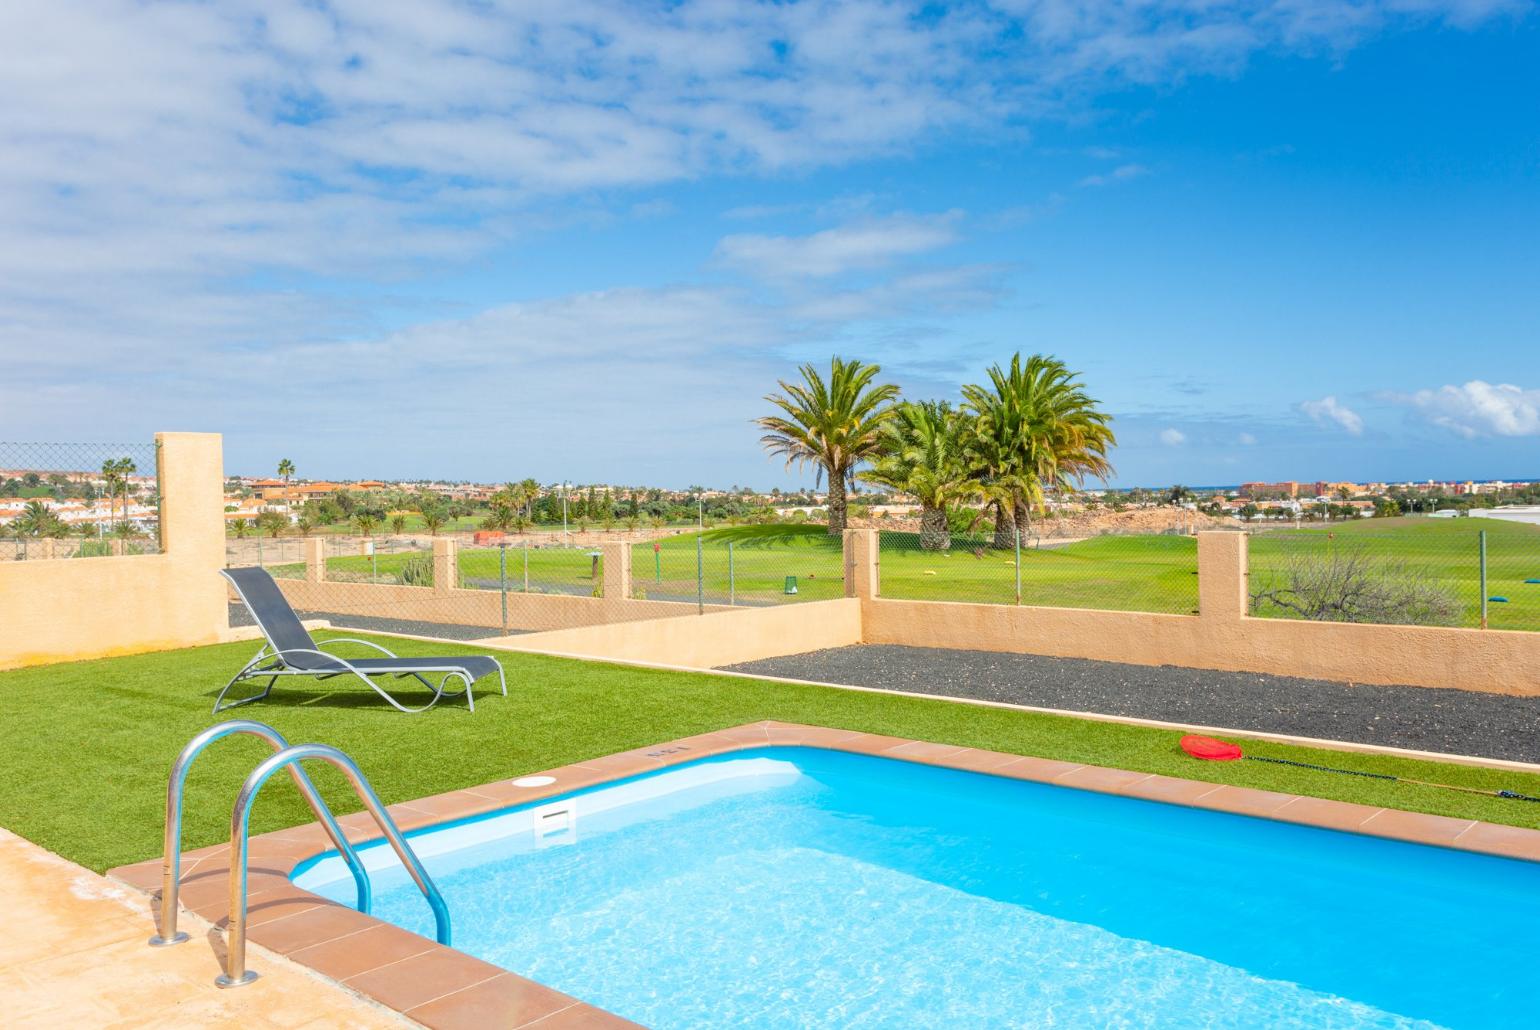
219	702
437	693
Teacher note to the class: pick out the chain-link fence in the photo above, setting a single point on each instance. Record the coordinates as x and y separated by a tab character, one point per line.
1141	573
528	584
78	500
750	566
1469	572
534	567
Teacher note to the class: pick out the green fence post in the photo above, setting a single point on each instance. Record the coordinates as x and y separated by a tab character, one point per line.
1018	566
657	561
700	576
502	580
526	566
374	562
1483	538
732	583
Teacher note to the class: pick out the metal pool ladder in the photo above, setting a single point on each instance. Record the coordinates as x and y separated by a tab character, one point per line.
285	757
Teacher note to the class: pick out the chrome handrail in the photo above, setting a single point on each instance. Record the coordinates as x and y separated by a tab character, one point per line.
236	973
171	868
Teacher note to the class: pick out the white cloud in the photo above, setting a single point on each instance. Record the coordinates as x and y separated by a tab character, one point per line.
1246	440
175	177
1122	173
1480	409
857	247
1173	437
1329	410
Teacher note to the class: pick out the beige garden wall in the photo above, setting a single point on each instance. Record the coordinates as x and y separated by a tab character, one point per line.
722	637
1222	636
75	608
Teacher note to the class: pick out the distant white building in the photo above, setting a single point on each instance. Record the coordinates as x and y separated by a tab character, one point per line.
1510	513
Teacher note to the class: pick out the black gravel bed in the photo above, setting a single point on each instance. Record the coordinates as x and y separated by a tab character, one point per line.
1421	718
239	616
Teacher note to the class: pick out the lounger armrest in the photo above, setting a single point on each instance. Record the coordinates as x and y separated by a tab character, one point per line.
356	640
319	654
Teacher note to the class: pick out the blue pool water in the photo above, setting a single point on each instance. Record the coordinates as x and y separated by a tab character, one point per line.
794	887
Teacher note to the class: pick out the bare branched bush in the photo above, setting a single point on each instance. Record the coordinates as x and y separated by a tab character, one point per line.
1352	586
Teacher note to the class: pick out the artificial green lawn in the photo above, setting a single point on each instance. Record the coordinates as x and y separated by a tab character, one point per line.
88	744
1154	573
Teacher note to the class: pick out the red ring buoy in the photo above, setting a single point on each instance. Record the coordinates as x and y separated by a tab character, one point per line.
1209	749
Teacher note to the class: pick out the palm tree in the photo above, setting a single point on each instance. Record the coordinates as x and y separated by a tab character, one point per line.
1177	494
433	519
1035	429
38	519
365	521
834	425
286	470
922	455
398	523
271	522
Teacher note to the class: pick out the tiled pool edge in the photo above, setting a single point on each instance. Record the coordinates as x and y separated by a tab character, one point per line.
444	988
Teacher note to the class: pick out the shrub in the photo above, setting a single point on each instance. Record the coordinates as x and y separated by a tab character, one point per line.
1352	586
417	572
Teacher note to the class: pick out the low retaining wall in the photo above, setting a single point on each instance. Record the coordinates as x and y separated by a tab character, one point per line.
1222	636
721	637
1493	661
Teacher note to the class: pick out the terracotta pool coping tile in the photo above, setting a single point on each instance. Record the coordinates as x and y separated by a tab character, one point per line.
505	1000
415	981
1169	790
212	889
309	928
1246	800
357	953
1325	813
583	1016
974	760
1495	839
1099	778
924	751
1417	827
1040	770
872	743
751	733
444	988
455	804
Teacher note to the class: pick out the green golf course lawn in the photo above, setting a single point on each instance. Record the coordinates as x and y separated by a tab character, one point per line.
1156	573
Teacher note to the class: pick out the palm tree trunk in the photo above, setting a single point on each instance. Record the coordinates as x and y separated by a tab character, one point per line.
935	534
1023	521
1005	529
836	503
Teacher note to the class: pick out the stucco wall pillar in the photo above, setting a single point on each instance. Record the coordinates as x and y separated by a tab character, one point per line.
617	570
862	575
315	559
192	523
1222	576
446	565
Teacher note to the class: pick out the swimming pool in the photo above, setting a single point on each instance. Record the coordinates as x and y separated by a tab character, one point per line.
792	886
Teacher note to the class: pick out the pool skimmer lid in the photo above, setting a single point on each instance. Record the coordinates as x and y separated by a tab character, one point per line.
534	781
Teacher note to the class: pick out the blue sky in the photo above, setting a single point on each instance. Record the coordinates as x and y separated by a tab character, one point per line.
582	240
